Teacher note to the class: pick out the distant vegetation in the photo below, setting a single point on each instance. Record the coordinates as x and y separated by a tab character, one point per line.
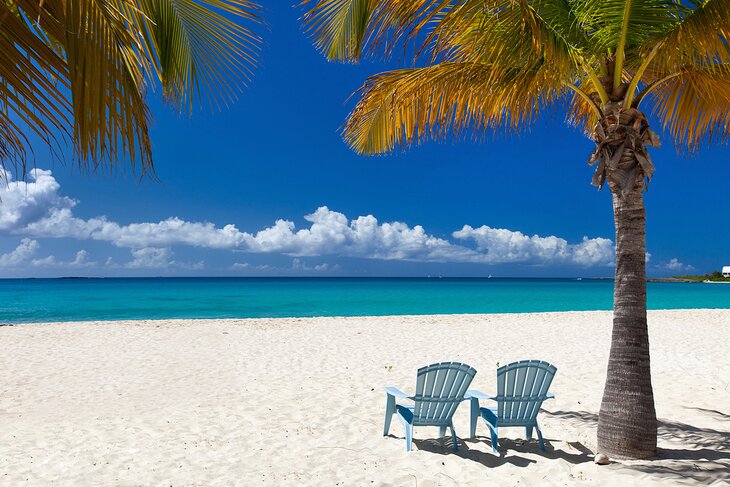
715	276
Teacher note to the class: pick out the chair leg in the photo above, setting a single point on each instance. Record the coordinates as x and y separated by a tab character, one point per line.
389	411
493	431
473	417
409	436
453	436
442	431
528	433
539	436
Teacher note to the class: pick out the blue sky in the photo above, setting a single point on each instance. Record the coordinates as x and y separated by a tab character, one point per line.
225	178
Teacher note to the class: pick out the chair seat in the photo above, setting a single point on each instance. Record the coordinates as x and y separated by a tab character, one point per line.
407	413
490	414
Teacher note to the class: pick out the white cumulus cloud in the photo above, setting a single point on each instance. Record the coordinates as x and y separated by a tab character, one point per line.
675	265
37	209
80	260
21	255
150	258
24	202
157	258
300	265
499	245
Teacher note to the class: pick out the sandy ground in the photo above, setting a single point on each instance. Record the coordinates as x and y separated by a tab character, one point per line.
301	401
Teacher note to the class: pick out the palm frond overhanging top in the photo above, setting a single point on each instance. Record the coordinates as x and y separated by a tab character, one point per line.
80	70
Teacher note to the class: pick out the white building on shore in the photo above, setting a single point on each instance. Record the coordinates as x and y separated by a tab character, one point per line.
726	271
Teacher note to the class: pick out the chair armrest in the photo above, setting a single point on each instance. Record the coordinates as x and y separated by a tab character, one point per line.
475	394
395	392
549	395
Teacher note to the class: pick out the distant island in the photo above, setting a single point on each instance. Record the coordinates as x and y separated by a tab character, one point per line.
713	277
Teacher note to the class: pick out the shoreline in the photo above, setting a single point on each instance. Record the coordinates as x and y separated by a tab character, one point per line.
345	317
300	401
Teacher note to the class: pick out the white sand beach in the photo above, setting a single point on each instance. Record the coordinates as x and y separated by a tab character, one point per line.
301	401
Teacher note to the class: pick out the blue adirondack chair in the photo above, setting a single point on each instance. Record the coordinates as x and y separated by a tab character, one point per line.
521	389
440	389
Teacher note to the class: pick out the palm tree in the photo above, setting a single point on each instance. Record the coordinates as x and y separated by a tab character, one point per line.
488	64
79	70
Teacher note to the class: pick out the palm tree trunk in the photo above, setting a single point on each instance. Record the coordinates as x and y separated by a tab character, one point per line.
627	426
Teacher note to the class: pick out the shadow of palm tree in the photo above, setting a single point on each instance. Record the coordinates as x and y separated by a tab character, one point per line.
703	455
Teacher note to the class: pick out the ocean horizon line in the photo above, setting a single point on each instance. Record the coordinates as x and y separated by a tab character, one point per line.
317	277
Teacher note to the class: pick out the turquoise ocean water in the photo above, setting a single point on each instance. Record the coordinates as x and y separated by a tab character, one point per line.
33	300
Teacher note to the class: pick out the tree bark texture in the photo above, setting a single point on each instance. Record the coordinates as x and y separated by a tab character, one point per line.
627	425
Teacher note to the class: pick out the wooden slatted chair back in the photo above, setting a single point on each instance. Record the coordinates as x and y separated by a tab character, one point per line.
440	388
521	389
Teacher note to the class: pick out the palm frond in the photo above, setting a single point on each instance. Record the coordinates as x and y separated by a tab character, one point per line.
32	85
197	47
408	106
629	23
344	30
82	68
701	35
693	105
510	33
582	114
495	63
107	84
339	27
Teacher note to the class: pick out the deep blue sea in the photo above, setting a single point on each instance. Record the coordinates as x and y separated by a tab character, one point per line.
33	300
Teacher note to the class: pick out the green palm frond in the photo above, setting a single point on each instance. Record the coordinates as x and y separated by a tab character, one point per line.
198	48
411	105
510	34
339	27
621	27
628	22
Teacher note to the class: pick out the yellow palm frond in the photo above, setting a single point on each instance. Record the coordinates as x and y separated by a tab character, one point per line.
32	77
700	36
693	104
82	68
107	83
509	30
343	30
608	52
410	105
582	114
